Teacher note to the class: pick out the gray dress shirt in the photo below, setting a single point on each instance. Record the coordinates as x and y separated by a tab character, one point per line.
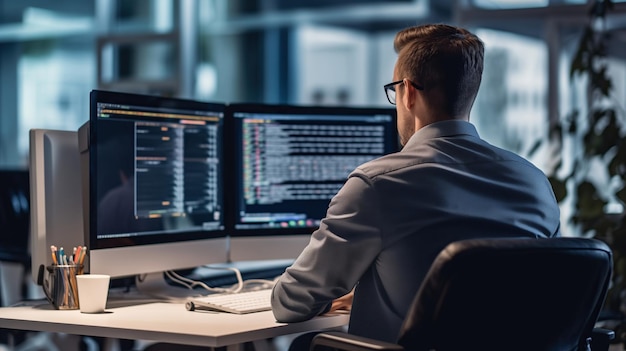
394	214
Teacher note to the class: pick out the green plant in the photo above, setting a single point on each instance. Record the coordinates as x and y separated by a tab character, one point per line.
596	179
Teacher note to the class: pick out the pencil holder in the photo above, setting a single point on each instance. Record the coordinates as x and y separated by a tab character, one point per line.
60	286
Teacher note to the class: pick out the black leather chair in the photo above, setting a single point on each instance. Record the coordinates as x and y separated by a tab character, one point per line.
504	294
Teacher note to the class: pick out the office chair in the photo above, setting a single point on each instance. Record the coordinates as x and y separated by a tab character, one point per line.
504	294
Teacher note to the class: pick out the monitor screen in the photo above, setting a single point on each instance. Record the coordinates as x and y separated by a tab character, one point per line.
290	161
154	182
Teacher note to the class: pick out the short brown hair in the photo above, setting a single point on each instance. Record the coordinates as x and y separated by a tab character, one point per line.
445	60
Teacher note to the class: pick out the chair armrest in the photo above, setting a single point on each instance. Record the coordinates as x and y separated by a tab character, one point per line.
601	338
348	342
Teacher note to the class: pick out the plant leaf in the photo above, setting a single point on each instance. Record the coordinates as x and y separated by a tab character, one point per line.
589	203
580	62
617	165
559	188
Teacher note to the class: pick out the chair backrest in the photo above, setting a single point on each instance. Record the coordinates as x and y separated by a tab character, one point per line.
513	294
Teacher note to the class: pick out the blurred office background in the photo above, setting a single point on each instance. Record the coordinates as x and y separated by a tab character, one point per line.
303	52
52	53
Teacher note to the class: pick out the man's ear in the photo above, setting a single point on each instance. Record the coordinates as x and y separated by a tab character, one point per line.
409	95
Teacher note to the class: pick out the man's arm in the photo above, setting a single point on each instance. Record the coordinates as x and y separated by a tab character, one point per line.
339	252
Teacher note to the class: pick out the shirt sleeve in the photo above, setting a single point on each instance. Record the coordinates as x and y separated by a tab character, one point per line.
338	254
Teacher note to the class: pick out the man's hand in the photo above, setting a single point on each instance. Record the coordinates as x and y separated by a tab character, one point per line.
343	303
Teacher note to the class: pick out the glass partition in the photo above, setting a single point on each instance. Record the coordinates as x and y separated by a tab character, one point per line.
510	110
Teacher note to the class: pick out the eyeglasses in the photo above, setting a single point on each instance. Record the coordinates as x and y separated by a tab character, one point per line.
390	90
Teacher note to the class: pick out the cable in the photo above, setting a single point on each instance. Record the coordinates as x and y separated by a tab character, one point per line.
190	283
241	284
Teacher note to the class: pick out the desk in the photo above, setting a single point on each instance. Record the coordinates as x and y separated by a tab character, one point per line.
161	322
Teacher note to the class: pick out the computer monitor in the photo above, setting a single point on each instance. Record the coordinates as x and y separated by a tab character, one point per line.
55	195
290	161
152	183
14	215
14	221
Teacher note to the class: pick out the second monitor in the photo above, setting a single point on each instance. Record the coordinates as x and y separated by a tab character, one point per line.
290	161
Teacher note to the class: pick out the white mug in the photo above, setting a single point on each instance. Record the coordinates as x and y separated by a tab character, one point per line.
93	290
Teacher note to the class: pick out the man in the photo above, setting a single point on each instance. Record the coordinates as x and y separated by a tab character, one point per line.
392	217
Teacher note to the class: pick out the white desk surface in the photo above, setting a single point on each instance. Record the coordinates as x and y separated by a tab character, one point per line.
161	322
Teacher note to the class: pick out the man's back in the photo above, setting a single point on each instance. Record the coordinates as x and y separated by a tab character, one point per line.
394	214
446	185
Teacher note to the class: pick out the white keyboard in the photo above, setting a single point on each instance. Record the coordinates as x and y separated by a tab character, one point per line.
240	303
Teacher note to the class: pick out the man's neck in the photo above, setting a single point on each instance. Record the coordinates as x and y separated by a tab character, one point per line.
423	122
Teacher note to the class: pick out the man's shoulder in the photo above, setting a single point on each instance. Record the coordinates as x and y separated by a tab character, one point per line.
382	165
425	157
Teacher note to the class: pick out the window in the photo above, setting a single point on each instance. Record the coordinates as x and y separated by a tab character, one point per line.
510	110
48	68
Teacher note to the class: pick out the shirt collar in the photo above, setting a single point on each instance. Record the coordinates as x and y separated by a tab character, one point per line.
443	129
